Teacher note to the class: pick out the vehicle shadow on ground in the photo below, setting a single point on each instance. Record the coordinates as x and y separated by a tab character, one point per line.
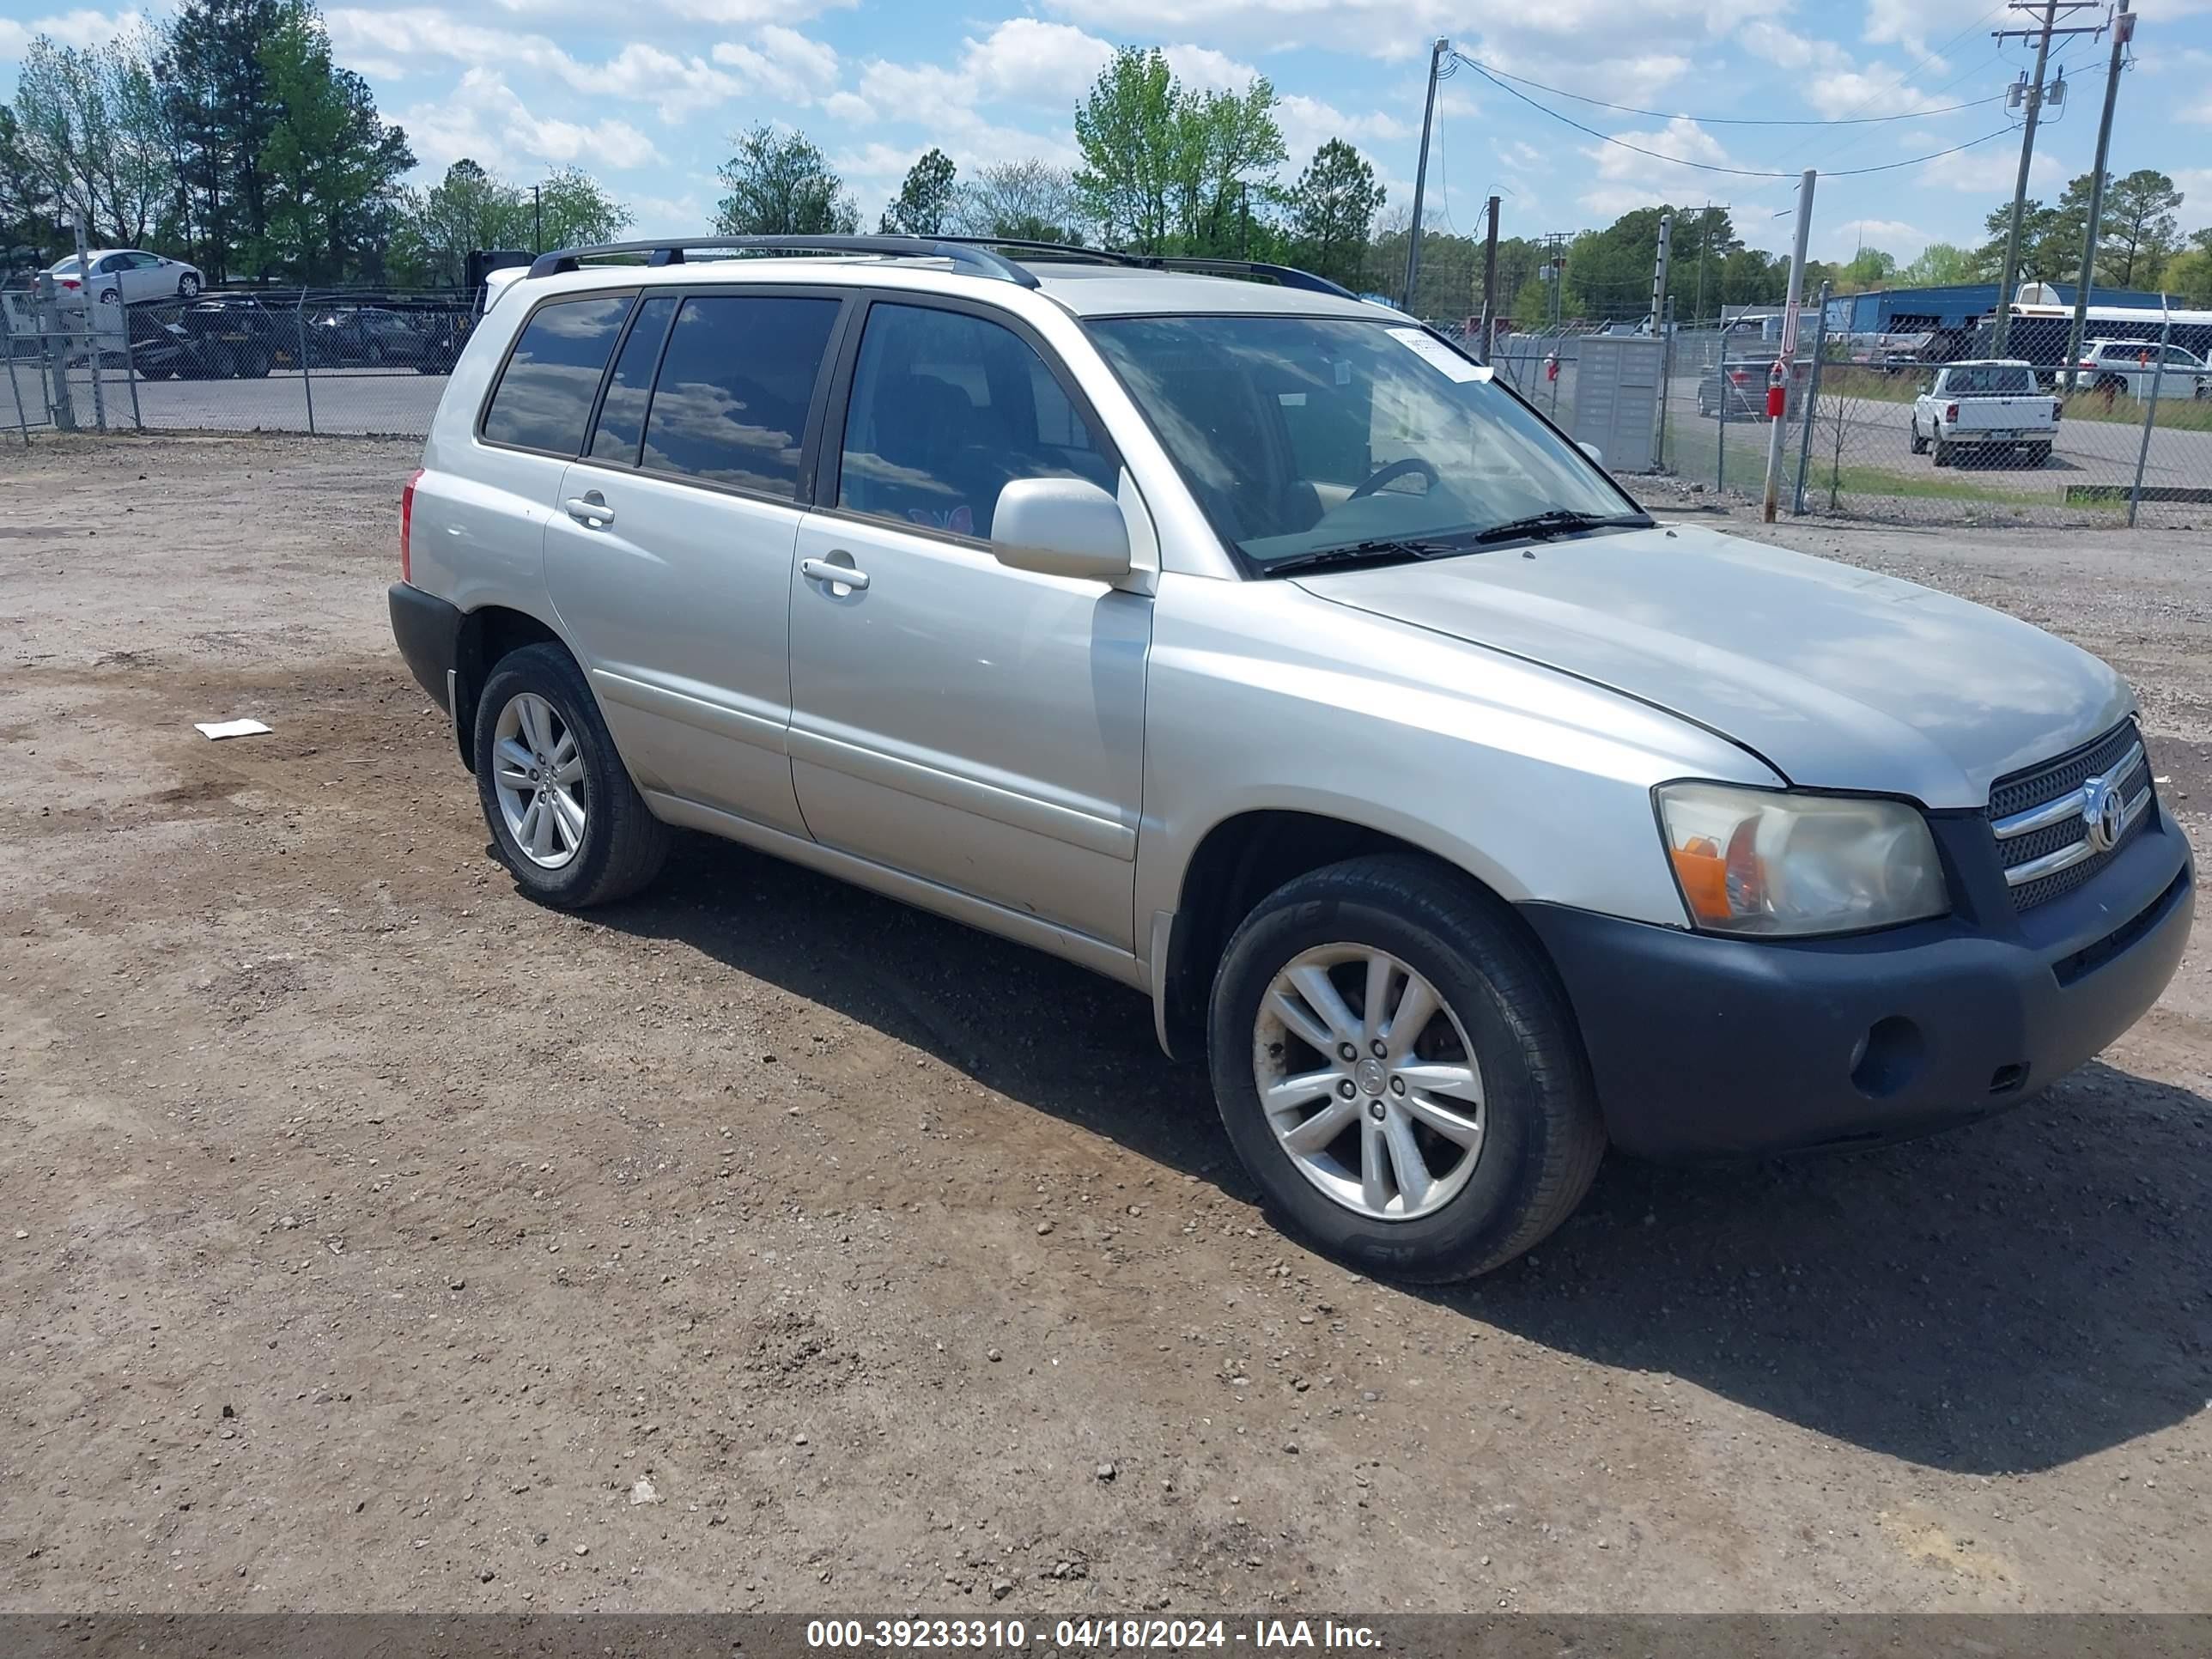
2011	1295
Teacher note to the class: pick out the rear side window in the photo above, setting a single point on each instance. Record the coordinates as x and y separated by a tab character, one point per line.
736	382
544	397
621	412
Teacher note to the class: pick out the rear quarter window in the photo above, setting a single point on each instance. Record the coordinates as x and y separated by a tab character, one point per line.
544	399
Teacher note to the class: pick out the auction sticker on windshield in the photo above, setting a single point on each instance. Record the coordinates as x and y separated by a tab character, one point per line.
1427	346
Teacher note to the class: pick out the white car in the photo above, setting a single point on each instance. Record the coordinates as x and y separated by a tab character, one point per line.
129	275
2132	367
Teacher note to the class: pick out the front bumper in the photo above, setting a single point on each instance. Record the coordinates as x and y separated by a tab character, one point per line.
1703	1046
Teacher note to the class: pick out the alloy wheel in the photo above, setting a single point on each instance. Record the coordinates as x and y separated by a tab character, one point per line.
537	774
1369	1082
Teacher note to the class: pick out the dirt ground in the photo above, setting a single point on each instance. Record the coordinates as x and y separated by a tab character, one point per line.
371	1238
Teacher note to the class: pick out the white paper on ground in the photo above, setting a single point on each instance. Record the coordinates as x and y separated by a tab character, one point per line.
229	728
1427	346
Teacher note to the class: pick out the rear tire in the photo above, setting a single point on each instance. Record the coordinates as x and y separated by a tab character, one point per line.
620	846
1499	1055
1919	443
1944	453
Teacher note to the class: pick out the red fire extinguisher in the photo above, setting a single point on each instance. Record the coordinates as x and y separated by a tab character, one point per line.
1777	380
1552	366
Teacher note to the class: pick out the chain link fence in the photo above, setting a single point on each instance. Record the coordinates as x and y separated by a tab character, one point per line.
312	360
1871	426
2112	429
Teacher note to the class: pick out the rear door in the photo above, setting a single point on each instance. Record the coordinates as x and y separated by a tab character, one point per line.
669	556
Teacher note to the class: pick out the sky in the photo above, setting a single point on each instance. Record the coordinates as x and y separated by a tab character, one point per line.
650	105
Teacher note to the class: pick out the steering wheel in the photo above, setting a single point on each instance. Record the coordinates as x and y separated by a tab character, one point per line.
1396	470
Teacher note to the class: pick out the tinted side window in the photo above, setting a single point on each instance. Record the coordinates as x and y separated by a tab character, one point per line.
730	405
544	397
622	411
946	411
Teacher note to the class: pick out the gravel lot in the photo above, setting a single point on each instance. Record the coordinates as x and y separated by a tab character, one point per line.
370	1238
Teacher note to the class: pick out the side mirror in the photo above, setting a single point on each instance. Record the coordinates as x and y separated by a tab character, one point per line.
1596	455
1060	527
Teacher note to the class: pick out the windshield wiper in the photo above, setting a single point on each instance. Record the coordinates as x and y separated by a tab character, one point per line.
1384	550
1559	521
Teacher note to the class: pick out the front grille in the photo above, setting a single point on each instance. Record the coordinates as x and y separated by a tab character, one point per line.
2024	792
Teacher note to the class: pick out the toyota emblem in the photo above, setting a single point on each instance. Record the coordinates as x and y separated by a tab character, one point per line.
2104	812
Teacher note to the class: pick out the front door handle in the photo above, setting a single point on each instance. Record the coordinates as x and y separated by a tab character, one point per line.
591	508
837	575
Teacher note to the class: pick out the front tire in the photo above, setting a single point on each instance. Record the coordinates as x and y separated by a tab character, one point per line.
565	818
1399	1072
1919	443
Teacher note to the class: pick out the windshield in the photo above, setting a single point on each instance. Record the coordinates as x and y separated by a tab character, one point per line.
1304	434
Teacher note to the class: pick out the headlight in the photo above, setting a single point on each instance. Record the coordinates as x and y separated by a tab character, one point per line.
1776	863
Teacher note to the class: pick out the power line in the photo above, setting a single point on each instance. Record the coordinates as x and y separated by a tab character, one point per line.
1714	166
1729	121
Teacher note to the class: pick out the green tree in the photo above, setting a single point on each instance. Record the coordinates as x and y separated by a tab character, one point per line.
28	229
2140	231
1939	265
467	209
925	200
220	115
80	115
2189	273
1332	211
1867	268
1227	144
577	210
1029	201
780	184
1125	129
333	167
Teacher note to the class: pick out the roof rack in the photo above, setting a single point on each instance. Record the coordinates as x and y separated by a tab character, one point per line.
671	251
1287	275
978	253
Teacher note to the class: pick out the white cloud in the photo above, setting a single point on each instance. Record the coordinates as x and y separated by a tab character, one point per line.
82	28
1307	124
484	120
848	108
804	69
1763	38
1990	171
1208	70
2195	185
778	61
1835	93
1892	236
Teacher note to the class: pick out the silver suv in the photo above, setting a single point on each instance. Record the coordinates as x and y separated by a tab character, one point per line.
1250	645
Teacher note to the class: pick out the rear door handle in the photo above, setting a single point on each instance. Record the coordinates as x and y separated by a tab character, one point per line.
591	508
840	575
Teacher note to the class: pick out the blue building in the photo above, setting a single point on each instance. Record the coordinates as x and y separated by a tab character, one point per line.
1948	310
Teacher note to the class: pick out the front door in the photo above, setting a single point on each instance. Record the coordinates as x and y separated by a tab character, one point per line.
978	727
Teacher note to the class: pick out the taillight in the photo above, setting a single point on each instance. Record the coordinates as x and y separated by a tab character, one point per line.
1735	375
407	528
71	282
1950	411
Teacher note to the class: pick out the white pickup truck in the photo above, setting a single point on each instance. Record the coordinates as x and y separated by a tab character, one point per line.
1989	408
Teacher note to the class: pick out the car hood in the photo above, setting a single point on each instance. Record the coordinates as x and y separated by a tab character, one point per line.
1836	676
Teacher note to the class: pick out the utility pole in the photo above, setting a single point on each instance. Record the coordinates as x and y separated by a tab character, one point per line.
2123	31
1489	284
2042	35
1705	241
1659	276
1778	390
1421	172
537	221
